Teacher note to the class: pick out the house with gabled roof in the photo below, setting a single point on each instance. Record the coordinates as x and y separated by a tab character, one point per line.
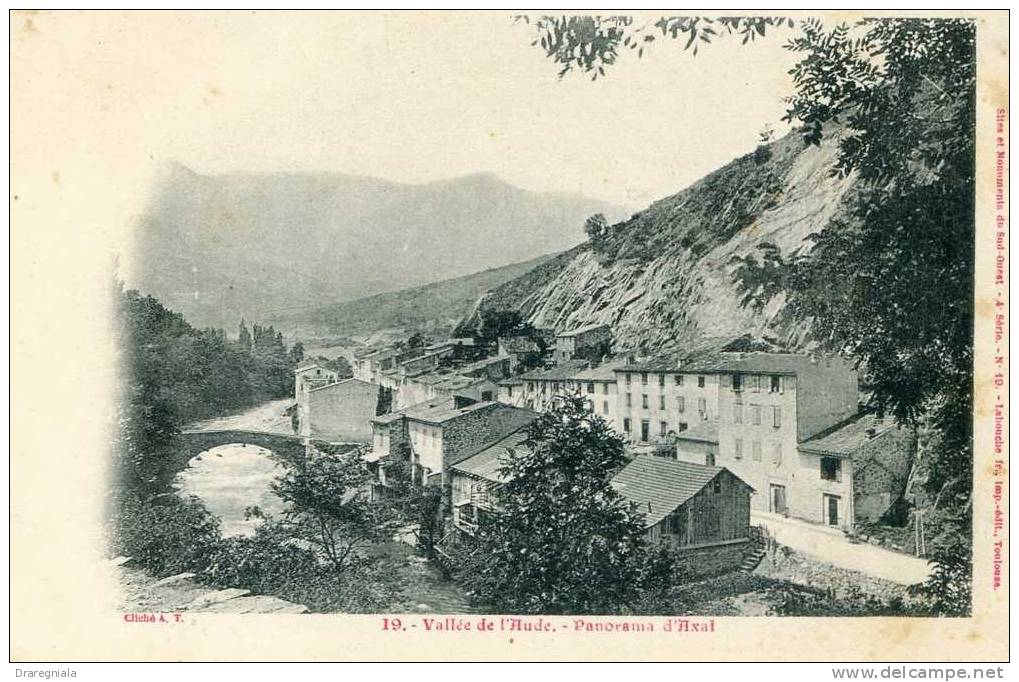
686	505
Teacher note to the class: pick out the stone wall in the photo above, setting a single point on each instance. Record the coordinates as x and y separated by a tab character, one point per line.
706	562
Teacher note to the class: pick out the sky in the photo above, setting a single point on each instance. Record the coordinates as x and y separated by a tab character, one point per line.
410	97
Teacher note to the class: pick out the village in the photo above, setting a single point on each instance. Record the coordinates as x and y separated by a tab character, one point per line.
733	445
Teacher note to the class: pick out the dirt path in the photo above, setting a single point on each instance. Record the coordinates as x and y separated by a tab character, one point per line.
269	417
832	547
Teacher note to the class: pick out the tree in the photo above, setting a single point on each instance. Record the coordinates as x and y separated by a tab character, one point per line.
564	540
297	352
416	340
596	227
244	336
890	281
327	507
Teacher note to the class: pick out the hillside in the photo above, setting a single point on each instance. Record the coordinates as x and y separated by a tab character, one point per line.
665	276
219	247
434	308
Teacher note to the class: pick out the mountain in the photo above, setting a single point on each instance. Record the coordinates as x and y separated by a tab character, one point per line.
219	247
665	276
433	308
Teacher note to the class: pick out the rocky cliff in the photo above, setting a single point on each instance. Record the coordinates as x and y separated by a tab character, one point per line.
665	275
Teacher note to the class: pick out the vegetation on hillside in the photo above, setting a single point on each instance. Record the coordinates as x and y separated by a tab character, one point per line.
891	281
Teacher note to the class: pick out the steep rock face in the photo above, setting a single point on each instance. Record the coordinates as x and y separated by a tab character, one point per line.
665	275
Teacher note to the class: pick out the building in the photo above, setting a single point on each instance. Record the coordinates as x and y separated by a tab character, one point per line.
494	368
539	387
687	505
475	479
661	397
861	467
600	387
768	403
591	342
434	435
311	374
521	350
340	412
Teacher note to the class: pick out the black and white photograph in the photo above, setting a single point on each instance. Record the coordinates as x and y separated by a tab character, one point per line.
520	322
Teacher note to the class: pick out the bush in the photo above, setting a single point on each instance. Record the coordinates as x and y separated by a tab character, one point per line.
174	536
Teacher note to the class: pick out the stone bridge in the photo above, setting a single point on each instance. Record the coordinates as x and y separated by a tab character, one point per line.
288	447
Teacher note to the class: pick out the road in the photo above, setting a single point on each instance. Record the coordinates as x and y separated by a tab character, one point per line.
832	546
268	417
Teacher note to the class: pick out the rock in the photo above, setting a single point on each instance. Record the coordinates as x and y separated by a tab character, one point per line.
256	604
874	541
120	560
173	579
210	598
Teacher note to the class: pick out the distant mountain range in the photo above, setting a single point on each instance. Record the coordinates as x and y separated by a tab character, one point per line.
433	308
280	246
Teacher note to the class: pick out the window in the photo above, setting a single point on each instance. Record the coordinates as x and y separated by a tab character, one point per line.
702	407
755	411
737	414
709	459
776	454
590	387
629	400
679	379
831	469
683	426
716	485
776	416
672	524
661	379
605	407
738	448
509	391
663	428
628	378
776	384
661	402
700	382
530	387
645	430
643	401
737	382
756	451
682	404
643	378
626	424
755	383
605	388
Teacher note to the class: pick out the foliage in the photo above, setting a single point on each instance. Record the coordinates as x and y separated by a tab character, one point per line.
170	536
326	506
175	374
596	228
418	505
890	281
591	43
271	562
564	541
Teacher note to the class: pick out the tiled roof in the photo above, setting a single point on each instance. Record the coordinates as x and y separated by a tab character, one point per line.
603	372
489	459
705	432
848	437
658	485
417	408
443	413
560	372
582	330
333	385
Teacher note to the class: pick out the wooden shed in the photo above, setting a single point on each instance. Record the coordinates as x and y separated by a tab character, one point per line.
685	504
